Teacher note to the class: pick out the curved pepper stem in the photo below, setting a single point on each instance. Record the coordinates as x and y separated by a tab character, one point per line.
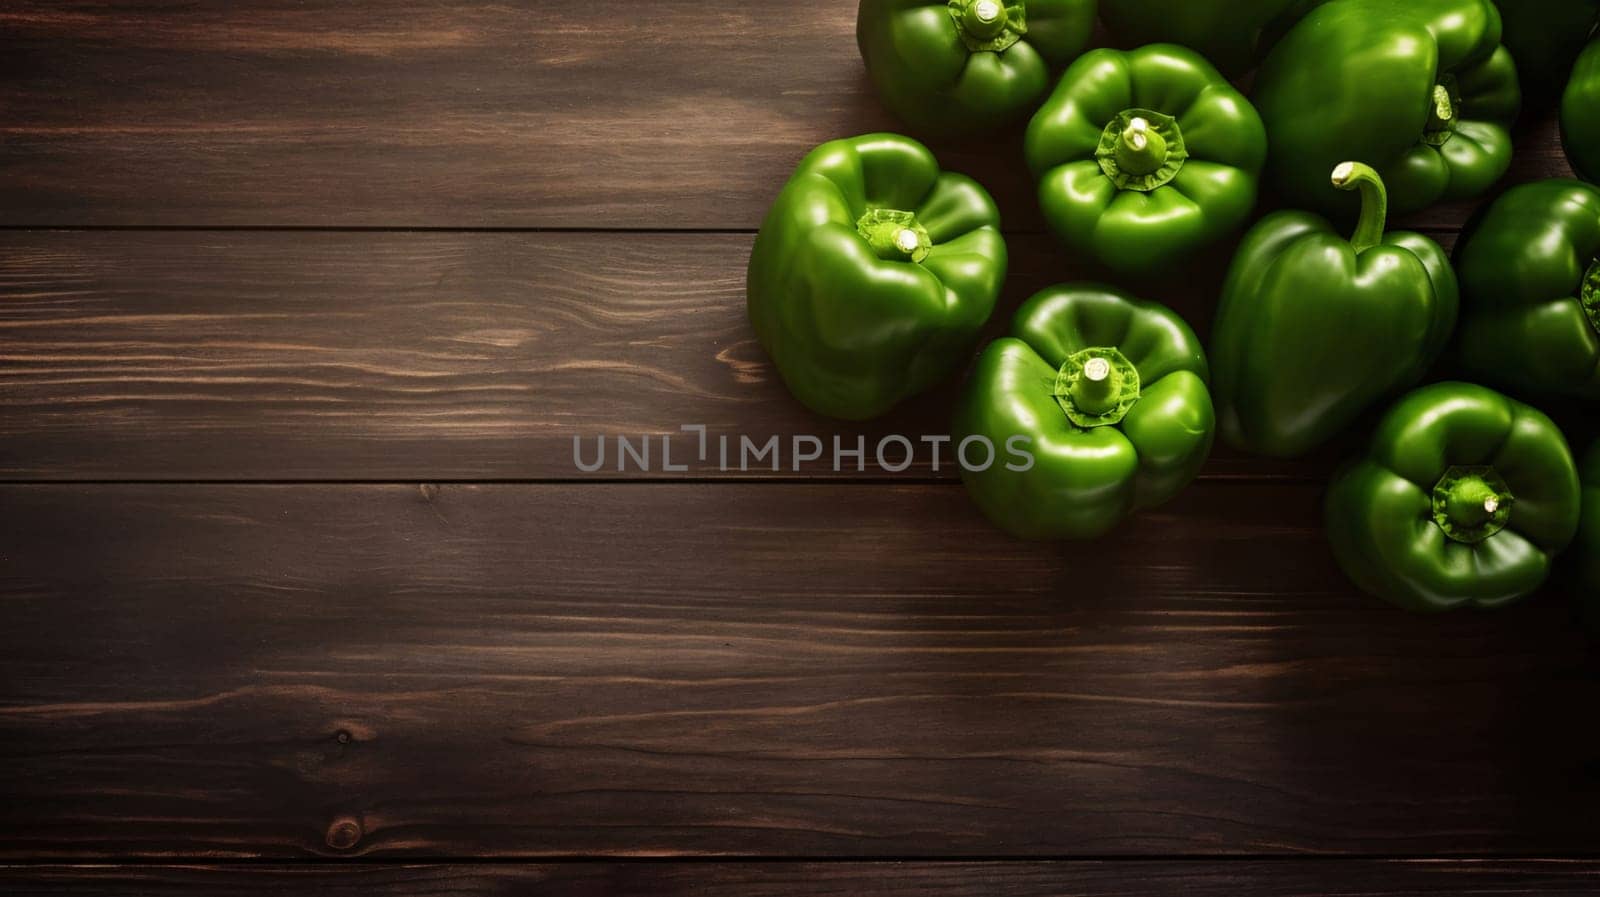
1374	202
1142	151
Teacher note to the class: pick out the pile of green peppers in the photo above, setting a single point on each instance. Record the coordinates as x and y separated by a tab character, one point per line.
875	271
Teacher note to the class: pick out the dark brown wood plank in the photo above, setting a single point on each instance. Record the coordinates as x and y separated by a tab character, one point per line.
288	355
804	670
1132	878
603	114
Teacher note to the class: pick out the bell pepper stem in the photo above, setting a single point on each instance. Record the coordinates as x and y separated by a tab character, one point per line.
1443	111
984	19
905	240
1374	202
1471	503
1096	387
894	235
1142	150
1097	390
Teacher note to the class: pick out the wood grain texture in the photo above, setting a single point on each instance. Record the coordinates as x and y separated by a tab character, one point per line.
851	670
1357	878
442	113
274	355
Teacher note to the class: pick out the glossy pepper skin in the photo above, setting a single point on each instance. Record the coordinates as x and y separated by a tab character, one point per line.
1144	156
1110	395
1232	34
965	67
1545	38
1421	90
1463	499
1312	328
872	274
1530	284
1580	115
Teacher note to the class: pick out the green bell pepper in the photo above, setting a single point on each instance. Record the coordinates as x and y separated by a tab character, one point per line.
1233	34
1108	396
1530	283
961	67
1463	499
1580	115
1421	90
873	274
1312	329
1144	156
1545	38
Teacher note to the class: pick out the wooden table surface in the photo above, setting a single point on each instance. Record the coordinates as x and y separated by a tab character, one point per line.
302	303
